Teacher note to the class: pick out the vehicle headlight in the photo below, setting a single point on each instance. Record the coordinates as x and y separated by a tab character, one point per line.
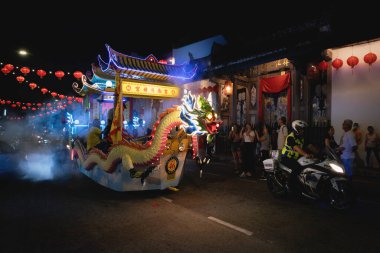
336	168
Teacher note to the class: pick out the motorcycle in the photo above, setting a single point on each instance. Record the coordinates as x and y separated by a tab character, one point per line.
321	178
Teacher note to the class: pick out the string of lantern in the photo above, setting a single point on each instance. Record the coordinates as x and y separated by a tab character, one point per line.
38	106
352	61
7	68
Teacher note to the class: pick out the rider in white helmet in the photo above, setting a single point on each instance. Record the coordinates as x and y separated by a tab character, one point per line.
293	149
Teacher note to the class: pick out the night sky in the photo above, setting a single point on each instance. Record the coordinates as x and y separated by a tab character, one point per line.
69	37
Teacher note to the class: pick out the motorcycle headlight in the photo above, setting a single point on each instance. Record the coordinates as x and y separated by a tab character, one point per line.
336	168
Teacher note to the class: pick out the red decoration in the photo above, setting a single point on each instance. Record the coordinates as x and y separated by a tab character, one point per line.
5	71
24	108
13	105
69	98
323	65
337	63
61	96
352	61
59	74
78	74
25	70
39	104
69	102
79	100
48	104
2	102
20	79
42	109
370	58
33	109
33	86
9	67
163	61
41	73
54	94
8	102
44	90
18	103
28	104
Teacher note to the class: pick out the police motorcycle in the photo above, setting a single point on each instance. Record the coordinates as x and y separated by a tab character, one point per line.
322	178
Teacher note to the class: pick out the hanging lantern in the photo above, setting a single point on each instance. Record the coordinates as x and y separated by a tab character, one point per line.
48	104
9	67
59	103
370	58
39	104
61	96
20	79
59	74
337	63
13	105
33	109
2	102
24	108
25	70
228	88
42	109
5	70
352	61
41	73
8	102
69	98
323	65
77	74
44	90
69	102
33	86
18	103
79	100
54	94
28	104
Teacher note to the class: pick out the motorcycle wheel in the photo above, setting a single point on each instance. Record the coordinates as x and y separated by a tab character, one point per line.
276	190
341	200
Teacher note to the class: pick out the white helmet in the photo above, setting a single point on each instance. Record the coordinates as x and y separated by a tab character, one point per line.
299	124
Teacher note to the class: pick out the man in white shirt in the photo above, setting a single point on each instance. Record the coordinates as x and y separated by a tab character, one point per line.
282	133
348	146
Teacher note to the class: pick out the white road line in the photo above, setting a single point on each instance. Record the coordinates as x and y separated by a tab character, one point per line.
241	230
166	199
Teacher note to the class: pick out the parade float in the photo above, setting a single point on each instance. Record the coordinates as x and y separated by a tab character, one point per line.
157	162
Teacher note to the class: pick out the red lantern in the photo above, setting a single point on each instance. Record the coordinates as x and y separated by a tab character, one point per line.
323	65
69	98
54	94
44	90
59	74
24	108
13	105
20	79
33	86
78	74
337	63
8	102
41	73
79	100
352	61
59	103
5	71
9	67
69	102
48	104
33	108
61	96
39	104
370	58
2	102
28	104
25	70
42	109
18	103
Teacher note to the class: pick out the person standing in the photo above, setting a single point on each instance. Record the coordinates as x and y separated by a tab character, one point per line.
263	137
329	140
248	137
282	133
358	134
370	143
348	146
235	139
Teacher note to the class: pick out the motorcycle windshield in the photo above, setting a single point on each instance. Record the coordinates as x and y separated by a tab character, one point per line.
331	154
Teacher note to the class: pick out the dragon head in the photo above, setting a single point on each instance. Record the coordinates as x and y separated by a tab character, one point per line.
198	116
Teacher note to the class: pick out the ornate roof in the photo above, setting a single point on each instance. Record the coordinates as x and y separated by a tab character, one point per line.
149	68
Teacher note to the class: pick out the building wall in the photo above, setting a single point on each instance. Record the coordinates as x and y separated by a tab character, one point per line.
356	95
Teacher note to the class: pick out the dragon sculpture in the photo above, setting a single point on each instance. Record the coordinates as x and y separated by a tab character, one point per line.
157	163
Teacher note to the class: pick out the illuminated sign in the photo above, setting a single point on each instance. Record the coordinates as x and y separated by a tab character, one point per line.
140	89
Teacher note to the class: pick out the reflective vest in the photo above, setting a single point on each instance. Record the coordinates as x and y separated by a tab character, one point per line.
287	151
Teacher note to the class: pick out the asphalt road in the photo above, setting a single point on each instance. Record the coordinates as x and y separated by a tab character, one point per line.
219	212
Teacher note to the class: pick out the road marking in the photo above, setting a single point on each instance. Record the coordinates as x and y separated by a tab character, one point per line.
166	199
239	229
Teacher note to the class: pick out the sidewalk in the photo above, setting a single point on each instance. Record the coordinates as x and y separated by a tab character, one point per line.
368	173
